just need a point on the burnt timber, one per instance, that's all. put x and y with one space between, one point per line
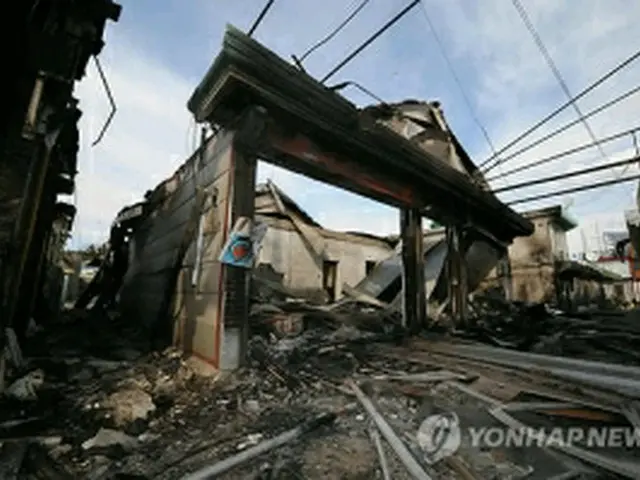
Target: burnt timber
53 42
305 115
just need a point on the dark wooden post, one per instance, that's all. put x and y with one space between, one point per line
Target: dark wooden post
414 295
457 274
237 296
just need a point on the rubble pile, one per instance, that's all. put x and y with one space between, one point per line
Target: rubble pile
113 409
610 336
342 395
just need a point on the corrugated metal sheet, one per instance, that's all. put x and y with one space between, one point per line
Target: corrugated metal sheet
481 258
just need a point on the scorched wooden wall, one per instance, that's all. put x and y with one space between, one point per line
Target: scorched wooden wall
197 316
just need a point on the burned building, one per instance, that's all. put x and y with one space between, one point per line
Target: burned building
539 268
534 261
51 44
261 107
312 261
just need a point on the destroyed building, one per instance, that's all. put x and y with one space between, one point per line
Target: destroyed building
311 260
535 259
98 403
175 283
540 270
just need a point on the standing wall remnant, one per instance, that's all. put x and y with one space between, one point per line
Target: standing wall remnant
195 202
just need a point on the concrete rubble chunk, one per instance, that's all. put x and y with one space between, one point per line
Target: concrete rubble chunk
25 388
200 368
129 405
107 437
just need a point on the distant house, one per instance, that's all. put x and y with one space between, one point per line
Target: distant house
310 259
536 259
541 270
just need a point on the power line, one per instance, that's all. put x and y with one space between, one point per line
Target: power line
456 78
258 20
370 40
635 146
562 176
567 126
333 33
563 154
575 190
545 53
562 107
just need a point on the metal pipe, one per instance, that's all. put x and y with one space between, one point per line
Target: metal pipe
375 438
414 468
227 464
621 379
618 465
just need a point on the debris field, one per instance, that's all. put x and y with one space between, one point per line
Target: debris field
333 391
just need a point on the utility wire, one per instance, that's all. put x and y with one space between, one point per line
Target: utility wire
258 20
582 188
635 146
563 154
562 176
334 32
563 107
567 126
524 16
456 78
370 40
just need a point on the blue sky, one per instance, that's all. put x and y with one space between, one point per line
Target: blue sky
155 56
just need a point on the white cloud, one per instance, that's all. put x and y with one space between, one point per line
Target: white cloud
147 140
516 88
503 73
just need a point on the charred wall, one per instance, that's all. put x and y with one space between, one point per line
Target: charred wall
51 45
197 195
